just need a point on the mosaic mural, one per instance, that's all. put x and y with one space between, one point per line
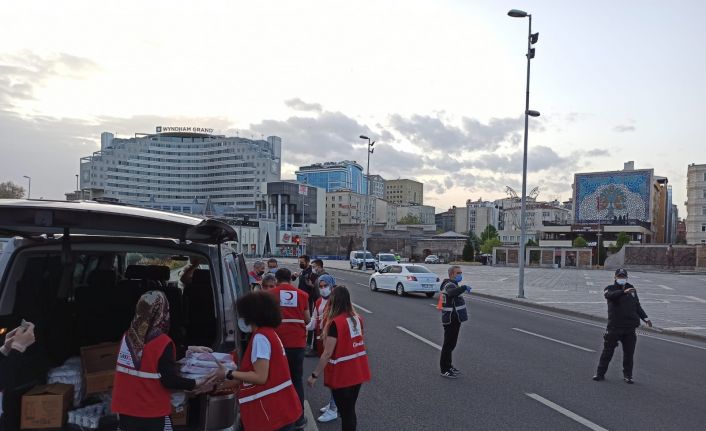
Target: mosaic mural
611 195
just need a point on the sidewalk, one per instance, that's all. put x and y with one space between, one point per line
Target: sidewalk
676 303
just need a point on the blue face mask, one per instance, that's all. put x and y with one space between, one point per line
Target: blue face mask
458 278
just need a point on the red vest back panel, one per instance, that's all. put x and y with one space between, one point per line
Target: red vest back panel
293 304
348 365
275 404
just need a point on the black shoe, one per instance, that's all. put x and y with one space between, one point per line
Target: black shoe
301 423
455 370
449 375
598 378
628 380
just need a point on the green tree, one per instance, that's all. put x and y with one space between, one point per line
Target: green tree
410 219
622 239
489 244
489 233
580 242
10 190
532 243
469 250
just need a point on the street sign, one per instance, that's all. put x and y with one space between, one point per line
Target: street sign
303 190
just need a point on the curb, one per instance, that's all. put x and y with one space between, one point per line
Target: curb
517 301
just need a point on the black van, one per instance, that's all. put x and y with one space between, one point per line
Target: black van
77 269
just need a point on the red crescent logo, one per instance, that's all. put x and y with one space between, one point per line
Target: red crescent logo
291 296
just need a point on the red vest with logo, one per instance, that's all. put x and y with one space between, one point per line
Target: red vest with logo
348 365
275 404
138 392
293 304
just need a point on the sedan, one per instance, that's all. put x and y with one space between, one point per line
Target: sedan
432 258
404 278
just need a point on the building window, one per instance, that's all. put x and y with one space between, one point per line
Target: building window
704 192
704 176
703 227
703 210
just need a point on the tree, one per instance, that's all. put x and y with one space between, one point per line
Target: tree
10 190
410 219
489 233
488 245
531 243
580 242
469 250
622 239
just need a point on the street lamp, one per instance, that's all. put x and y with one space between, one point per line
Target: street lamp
531 40
367 197
29 186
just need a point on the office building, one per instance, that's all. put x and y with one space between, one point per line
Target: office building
696 204
482 214
334 176
183 169
295 207
404 192
423 213
377 186
345 207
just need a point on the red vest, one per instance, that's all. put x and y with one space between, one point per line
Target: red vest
275 404
293 304
138 392
348 365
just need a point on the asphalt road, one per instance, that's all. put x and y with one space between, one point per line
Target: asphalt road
517 374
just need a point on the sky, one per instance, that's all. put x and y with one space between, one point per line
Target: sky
440 85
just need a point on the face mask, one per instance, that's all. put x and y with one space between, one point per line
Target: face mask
273 270
621 281
325 291
458 278
302 265
243 326
318 270
260 272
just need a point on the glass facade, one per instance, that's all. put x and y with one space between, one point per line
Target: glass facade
334 176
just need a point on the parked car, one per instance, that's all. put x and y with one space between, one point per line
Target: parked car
360 259
77 270
384 259
432 258
405 278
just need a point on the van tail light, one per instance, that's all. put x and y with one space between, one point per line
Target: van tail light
411 278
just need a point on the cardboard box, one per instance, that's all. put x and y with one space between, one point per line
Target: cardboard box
180 416
98 364
45 406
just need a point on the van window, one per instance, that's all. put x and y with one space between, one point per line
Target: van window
368 255
387 258
359 255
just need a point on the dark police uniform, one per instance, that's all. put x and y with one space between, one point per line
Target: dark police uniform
453 312
624 314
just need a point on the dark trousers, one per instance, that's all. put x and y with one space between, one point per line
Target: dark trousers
131 423
450 338
295 358
628 339
345 399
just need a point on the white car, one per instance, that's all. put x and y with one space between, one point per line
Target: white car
383 260
404 278
432 258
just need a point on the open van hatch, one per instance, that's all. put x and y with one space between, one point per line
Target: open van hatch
28 218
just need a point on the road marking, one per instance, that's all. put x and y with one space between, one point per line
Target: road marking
664 287
703 301
500 304
568 413
502 279
589 283
362 308
363 284
419 337
684 328
648 281
554 340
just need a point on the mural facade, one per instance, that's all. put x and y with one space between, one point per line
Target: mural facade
605 196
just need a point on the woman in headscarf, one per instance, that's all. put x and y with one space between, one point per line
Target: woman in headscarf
146 371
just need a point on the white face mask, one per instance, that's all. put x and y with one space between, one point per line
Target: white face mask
245 328
325 291
621 281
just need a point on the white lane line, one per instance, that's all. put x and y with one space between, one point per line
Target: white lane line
664 287
648 281
500 304
568 413
703 301
502 279
419 337
589 283
362 308
362 284
553 339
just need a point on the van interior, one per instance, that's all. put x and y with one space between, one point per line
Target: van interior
87 296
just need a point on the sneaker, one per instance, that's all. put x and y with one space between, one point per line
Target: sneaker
325 408
598 378
449 375
456 370
328 416
301 423
628 380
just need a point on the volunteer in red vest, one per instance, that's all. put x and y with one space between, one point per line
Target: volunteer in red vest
344 361
294 306
267 398
146 371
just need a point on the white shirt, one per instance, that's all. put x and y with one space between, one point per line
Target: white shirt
261 348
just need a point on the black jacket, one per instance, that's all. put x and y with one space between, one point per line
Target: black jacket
624 310
452 302
304 280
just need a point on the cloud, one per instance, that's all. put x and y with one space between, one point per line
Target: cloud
598 152
299 105
539 158
622 128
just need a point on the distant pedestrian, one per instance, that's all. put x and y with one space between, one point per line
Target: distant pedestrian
670 257
453 312
624 314
258 269
268 282
344 361
317 266
272 265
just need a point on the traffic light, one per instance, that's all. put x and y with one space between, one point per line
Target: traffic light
296 240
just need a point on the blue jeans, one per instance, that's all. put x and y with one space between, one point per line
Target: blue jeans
295 358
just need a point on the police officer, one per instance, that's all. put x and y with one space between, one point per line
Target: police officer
624 314
453 312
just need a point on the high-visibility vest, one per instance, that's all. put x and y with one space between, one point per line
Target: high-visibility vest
348 366
275 404
138 391
294 303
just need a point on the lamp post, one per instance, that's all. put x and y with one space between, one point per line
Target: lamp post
531 40
367 197
29 186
